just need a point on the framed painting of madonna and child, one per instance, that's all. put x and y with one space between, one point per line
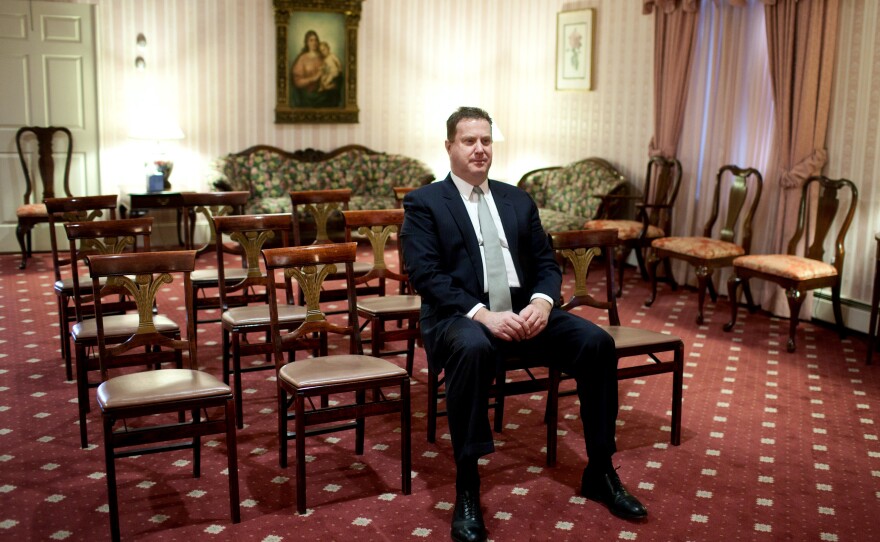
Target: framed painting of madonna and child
316 66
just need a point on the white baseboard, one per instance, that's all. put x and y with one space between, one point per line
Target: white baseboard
856 316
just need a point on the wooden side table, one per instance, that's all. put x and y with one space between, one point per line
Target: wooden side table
875 304
141 203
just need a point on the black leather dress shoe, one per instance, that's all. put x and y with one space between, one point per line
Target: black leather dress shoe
604 486
467 518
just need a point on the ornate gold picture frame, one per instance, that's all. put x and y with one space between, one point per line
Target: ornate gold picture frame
316 68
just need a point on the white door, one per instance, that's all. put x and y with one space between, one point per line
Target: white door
47 58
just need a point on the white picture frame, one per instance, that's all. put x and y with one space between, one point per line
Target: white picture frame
574 49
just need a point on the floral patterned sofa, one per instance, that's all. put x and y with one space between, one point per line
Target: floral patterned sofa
568 196
270 173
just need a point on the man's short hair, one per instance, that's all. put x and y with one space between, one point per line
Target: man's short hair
464 113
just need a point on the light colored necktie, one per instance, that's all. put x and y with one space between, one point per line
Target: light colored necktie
496 272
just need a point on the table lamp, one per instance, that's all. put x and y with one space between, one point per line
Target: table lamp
157 125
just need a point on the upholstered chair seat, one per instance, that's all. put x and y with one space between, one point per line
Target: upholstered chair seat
32 210
786 265
626 229
120 325
699 247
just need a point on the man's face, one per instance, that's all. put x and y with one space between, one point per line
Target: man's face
470 153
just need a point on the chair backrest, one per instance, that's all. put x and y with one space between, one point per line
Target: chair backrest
317 206
104 237
251 232
377 226
309 265
46 160
75 209
825 193
579 247
151 271
662 181
209 205
739 181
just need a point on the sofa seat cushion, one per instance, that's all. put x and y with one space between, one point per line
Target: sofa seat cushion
785 265
700 247
553 220
265 206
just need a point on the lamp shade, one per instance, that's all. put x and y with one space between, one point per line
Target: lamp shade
154 124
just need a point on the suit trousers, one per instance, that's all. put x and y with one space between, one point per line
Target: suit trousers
574 345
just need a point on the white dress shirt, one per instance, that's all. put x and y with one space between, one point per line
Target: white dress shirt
466 190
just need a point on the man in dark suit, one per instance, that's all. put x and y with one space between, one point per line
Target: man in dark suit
465 336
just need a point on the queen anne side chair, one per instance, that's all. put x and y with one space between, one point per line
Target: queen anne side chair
103 237
76 209
653 218
338 375
715 249
164 392
31 212
799 274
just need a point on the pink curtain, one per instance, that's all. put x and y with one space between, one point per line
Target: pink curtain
801 43
675 28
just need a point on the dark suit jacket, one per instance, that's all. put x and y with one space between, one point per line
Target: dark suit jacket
443 257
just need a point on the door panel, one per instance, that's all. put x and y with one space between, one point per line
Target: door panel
47 58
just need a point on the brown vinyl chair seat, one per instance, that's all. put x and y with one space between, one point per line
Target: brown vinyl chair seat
32 210
66 284
633 337
255 315
338 369
232 275
157 387
389 304
119 325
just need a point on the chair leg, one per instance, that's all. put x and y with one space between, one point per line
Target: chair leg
197 445
732 284
236 379
64 334
795 300
110 467
300 453
232 462
23 235
282 427
640 259
551 416
653 262
433 385
677 385
405 438
360 399
500 379
702 280
838 311
82 393
621 252
226 353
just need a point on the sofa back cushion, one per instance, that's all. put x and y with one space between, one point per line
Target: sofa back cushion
269 173
571 189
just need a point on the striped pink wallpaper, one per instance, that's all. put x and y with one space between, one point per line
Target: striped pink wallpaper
213 62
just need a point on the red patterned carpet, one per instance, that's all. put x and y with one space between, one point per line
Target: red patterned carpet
775 446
